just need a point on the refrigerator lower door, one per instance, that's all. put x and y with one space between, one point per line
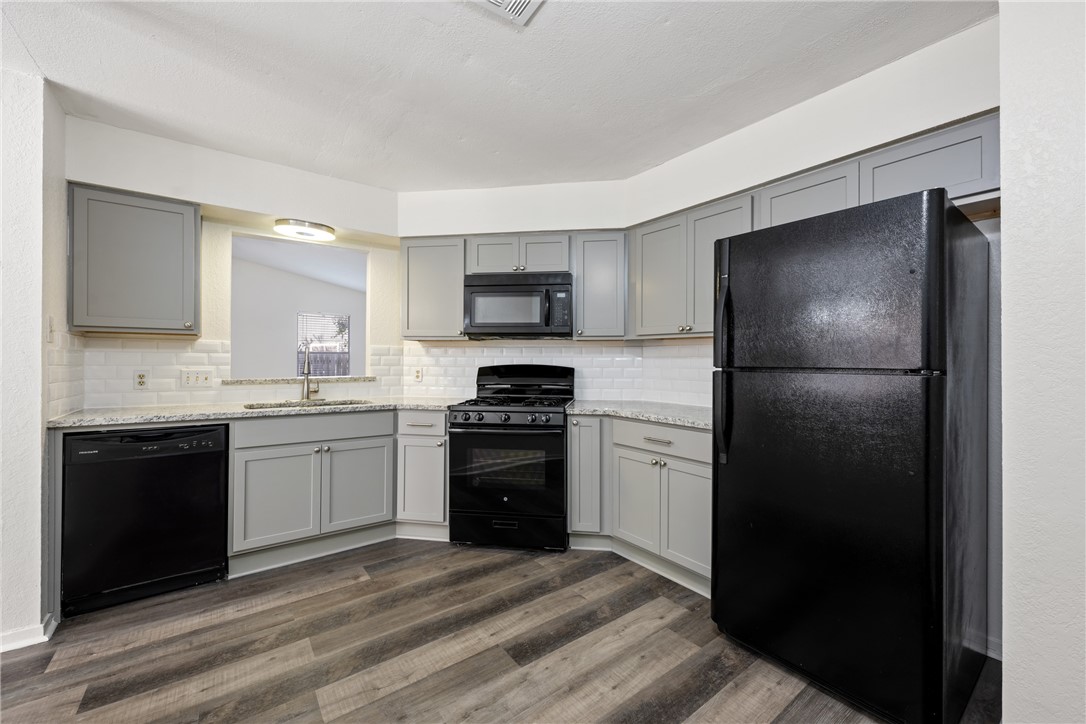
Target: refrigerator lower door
822 516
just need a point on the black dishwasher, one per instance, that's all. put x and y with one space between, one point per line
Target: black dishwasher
143 512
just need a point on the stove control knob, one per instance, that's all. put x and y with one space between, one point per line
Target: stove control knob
466 416
546 418
478 417
531 417
504 417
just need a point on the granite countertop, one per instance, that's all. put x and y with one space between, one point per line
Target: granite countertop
663 412
232 411
660 412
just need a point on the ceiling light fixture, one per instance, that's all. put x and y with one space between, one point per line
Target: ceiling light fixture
308 230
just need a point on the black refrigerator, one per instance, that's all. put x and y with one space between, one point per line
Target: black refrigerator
850 451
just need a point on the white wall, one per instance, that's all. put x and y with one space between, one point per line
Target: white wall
264 318
33 219
1044 354
101 154
950 80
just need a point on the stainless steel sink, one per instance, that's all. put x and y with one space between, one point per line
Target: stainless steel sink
302 403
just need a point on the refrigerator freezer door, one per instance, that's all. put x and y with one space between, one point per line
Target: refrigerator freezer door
854 289
820 530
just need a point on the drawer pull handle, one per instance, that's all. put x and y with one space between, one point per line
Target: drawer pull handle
420 424
657 439
510 524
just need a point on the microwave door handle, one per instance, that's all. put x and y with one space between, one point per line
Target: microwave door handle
547 308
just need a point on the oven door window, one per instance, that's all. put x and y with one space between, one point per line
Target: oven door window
509 471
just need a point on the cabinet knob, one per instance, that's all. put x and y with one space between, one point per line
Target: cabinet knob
680 328
653 461
188 325
317 449
441 444
328 448
574 423
689 328
514 267
522 267
460 332
580 332
663 463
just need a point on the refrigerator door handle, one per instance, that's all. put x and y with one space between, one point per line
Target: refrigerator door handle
721 416
720 317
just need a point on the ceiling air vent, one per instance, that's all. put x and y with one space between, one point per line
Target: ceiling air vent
516 11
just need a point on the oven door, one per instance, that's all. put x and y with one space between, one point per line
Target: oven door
512 471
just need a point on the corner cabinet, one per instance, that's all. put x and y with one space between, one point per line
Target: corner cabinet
599 278
662 489
508 254
671 268
298 478
432 288
133 263
421 467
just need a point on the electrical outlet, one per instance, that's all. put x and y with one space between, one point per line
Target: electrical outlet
140 378
196 377
418 375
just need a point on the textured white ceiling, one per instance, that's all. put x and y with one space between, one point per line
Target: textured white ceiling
424 96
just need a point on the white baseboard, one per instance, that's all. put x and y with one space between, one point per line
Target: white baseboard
688 579
245 564
28 636
423 531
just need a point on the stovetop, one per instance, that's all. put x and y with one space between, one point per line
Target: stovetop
512 401
530 395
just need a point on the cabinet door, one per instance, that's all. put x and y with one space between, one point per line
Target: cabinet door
493 254
636 487
134 262
585 471
599 266
964 160
432 275
545 253
357 486
686 514
420 479
659 275
276 495
705 226
813 194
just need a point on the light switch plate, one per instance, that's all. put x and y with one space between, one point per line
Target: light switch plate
196 377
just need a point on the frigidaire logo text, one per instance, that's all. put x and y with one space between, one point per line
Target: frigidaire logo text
87 452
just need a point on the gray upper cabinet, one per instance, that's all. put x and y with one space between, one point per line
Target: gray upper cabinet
812 194
508 254
134 262
599 274
964 160
672 267
432 288
493 254
704 227
659 271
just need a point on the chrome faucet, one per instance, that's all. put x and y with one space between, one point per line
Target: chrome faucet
307 388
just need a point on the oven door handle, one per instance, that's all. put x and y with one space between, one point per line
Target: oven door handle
506 431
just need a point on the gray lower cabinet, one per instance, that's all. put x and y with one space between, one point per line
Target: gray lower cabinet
421 466
296 478
277 495
662 501
134 262
820 192
432 293
356 485
507 254
964 160
599 276
585 474
672 267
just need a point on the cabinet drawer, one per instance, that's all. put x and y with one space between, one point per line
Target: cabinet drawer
299 428
420 422
663 439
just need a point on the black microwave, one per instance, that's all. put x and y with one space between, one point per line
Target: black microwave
518 305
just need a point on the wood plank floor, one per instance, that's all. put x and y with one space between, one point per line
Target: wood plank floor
419 632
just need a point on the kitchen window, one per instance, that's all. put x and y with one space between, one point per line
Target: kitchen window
327 336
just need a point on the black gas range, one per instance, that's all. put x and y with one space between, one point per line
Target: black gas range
507 455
